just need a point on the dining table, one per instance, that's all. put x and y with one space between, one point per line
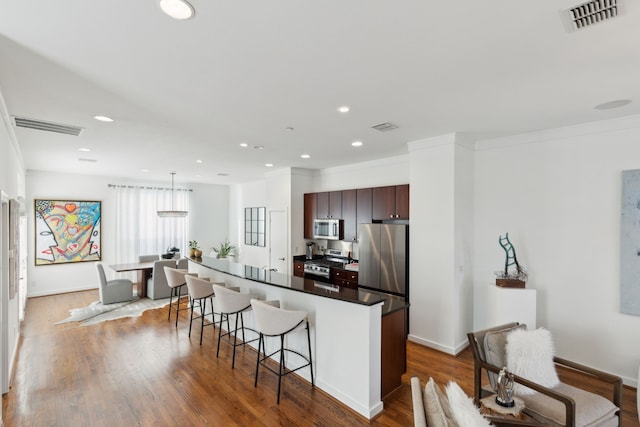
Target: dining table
145 268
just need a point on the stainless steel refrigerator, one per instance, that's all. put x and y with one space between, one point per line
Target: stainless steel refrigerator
384 257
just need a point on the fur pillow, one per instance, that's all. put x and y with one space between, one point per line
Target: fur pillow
464 411
530 355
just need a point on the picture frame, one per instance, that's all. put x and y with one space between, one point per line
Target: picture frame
67 231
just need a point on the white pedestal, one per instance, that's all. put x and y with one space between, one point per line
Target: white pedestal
506 305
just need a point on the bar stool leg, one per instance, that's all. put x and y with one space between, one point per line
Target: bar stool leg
313 384
281 365
171 303
203 306
179 292
191 320
260 341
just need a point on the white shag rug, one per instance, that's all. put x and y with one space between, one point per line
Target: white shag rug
96 312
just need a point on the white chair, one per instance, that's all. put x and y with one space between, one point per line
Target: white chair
112 291
199 291
176 281
157 286
271 321
182 264
148 258
231 302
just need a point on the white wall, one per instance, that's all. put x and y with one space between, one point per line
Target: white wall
250 195
207 223
558 194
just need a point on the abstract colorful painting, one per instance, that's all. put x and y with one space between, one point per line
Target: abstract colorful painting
67 231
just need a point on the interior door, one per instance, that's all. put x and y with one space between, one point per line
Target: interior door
278 241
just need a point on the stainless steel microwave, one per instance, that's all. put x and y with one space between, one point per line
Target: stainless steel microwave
329 229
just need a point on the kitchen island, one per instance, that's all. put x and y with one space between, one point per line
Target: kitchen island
346 328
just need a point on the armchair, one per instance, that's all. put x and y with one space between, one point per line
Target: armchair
157 286
563 404
112 291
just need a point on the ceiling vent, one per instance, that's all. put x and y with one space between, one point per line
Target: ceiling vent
24 122
587 14
385 127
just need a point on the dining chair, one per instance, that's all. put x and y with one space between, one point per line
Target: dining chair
112 291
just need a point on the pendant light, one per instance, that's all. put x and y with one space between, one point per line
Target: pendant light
172 213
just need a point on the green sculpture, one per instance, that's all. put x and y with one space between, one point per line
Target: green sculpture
519 275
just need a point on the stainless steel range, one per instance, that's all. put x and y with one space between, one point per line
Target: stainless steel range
320 269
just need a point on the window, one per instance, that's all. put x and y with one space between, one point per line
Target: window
254 226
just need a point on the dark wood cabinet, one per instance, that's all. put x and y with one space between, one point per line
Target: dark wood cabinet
298 268
360 206
394 350
345 278
310 208
390 202
349 215
329 204
364 201
402 201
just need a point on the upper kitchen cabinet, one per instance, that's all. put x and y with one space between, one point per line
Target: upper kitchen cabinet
310 208
349 208
364 213
390 202
329 205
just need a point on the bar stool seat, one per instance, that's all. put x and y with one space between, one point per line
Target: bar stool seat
176 281
271 321
199 291
231 302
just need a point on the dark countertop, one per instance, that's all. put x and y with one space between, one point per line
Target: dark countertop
392 303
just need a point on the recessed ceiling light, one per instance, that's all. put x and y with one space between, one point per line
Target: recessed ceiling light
356 144
103 118
86 150
258 147
244 145
343 109
223 174
269 165
613 104
177 9
289 129
305 156
198 161
144 170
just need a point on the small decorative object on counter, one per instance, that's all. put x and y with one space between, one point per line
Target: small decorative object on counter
193 248
504 388
506 278
172 252
226 249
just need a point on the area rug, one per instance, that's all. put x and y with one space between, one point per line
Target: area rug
97 312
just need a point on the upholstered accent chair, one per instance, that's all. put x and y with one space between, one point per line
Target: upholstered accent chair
112 291
157 286
557 405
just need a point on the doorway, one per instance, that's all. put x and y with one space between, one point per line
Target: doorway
278 241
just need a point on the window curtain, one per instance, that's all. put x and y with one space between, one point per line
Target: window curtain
139 230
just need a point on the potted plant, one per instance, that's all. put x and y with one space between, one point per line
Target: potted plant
193 248
226 249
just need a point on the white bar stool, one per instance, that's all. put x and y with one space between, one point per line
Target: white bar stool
176 281
199 291
271 321
230 302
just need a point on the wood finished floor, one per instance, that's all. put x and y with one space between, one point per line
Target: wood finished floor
143 371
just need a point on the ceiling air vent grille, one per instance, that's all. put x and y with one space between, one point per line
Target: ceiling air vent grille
384 127
24 122
592 12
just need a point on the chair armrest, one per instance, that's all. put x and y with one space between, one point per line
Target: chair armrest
569 403
615 380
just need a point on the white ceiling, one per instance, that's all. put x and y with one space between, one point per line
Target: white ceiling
244 71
